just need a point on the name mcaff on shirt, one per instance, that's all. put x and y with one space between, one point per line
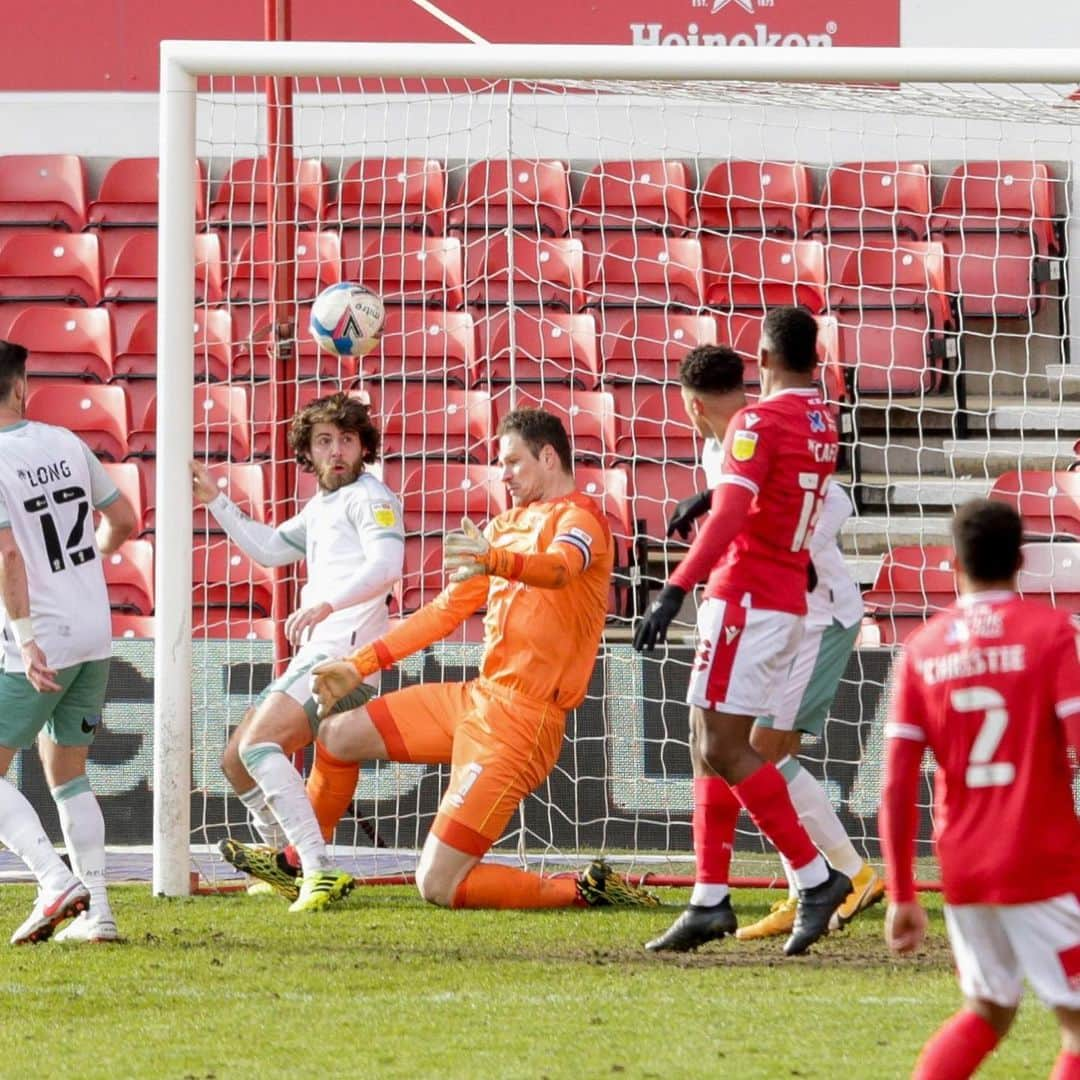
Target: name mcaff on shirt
992 660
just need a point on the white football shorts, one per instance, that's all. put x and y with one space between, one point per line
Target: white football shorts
742 658
997 946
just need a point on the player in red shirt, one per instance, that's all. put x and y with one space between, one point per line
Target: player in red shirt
754 549
992 687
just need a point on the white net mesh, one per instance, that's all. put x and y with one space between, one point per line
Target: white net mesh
564 245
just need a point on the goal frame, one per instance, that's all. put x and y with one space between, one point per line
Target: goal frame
184 62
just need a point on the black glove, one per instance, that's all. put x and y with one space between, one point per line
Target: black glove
687 511
811 576
654 627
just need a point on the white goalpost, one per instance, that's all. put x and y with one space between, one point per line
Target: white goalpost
611 305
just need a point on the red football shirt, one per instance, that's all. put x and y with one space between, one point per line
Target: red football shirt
782 449
992 687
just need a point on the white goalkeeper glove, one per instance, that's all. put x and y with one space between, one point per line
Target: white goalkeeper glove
465 552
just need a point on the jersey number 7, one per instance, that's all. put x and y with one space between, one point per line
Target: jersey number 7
73 546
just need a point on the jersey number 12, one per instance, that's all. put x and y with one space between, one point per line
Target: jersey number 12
73 546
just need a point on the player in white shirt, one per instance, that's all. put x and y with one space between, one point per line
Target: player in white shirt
830 628
350 534
57 640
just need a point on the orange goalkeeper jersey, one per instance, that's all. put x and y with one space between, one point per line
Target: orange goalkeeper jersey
539 642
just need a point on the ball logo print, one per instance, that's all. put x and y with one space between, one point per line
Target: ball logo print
347 319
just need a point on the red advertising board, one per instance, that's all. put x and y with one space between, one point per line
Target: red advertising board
112 44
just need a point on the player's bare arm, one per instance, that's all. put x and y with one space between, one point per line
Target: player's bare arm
16 597
118 523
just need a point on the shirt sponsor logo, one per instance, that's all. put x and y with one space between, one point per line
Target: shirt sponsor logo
384 514
744 445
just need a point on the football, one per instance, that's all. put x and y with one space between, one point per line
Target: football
347 319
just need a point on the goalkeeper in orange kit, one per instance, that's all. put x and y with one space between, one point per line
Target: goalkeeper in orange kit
543 570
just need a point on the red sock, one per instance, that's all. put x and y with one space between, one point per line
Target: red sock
330 788
488 885
764 793
715 812
1067 1067
956 1049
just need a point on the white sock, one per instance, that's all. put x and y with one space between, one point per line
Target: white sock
820 821
285 794
21 832
706 894
262 818
815 872
84 835
792 884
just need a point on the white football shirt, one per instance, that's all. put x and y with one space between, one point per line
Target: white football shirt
332 531
49 481
836 596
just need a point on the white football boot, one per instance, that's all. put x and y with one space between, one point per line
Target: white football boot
91 925
50 911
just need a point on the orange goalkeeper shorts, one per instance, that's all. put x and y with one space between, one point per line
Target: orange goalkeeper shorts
500 746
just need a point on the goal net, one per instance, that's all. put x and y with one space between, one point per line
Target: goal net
557 227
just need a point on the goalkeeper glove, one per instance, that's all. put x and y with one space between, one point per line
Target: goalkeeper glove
686 512
654 627
465 552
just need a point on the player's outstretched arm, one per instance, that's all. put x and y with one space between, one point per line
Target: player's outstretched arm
334 679
266 545
16 597
118 523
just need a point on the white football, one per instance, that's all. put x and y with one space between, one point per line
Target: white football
347 319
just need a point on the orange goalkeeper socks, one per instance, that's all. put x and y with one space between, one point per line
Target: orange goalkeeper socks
330 788
488 885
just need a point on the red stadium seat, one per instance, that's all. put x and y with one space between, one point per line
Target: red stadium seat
653 423
912 584
1048 502
221 424
649 194
66 341
50 266
131 267
539 271
213 346
529 346
129 577
893 315
587 415
408 268
422 420
260 396
224 577
97 414
125 475
129 194
241 195
43 189
650 345
996 221
393 192
628 269
533 196
246 485
756 197
759 272
874 201
436 495
609 487
425 344
318 265
1051 572
658 486
128 627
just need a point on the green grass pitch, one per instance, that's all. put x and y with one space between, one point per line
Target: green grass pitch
385 986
